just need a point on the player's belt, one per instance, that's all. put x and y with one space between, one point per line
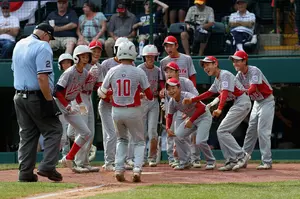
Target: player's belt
37 92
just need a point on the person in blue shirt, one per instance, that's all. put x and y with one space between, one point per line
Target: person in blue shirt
37 113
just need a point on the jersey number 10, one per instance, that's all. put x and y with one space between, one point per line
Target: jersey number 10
123 87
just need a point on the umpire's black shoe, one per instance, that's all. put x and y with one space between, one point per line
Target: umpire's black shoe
33 179
51 175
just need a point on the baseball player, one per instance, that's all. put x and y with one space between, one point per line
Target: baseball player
262 114
151 108
67 89
91 83
105 111
172 71
198 118
230 89
65 61
126 82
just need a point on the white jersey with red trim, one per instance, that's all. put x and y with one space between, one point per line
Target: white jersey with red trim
126 81
185 63
227 81
255 76
94 76
153 77
107 65
72 81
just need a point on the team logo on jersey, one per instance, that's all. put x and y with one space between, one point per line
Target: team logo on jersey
255 78
225 84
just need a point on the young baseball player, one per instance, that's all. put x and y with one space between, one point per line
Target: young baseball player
151 108
230 89
261 118
91 83
65 61
67 89
105 111
172 71
198 118
126 82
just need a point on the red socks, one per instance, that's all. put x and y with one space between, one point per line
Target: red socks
75 148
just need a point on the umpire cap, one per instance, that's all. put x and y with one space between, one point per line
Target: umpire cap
46 28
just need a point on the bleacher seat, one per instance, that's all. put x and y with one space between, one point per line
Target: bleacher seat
175 30
216 42
28 29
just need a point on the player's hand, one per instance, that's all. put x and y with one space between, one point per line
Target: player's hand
184 116
83 109
187 101
163 106
142 95
217 113
162 93
72 110
188 124
170 133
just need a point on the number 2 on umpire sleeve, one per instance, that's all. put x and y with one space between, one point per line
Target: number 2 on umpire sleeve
123 87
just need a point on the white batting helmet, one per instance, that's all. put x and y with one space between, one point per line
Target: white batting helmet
150 50
118 42
79 50
62 57
126 50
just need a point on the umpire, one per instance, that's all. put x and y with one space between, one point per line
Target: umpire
36 111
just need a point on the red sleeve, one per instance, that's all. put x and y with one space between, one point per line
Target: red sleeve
78 99
97 85
203 96
169 121
148 94
60 95
193 79
223 97
162 84
200 109
252 89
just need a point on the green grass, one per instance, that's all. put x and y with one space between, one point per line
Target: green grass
21 189
276 190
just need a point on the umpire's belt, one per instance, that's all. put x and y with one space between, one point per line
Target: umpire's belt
37 92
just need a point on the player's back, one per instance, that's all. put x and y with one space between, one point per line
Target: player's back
126 82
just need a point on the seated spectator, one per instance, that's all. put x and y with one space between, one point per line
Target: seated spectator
178 9
120 25
199 20
9 29
92 24
297 4
143 24
64 21
242 25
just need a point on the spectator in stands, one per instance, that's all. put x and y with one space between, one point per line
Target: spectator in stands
178 9
278 14
92 24
199 20
9 29
120 25
143 24
297 2
64 21
242 25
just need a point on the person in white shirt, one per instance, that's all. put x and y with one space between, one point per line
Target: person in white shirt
9 29
242 25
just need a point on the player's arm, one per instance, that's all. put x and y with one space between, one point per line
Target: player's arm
78 99
43 81
203 96
193 79
102 91
169 120
60 93
200 109
223 96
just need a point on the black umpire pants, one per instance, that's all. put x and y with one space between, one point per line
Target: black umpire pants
31 125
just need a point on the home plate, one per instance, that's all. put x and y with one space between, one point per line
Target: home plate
149 173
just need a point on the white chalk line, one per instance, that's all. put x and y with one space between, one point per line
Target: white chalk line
66 192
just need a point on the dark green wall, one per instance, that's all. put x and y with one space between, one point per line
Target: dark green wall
277 70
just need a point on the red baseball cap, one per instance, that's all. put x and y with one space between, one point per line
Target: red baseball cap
170 40
172 65
173 82
121 8
209 59
95 44
239 55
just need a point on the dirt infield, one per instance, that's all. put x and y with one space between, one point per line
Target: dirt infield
163 174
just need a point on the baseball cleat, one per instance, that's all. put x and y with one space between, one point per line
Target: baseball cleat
244 161
197 164
175 163
136 177
66 163
264 167
183 166
152 163
108 167
92 154
119 175
228 167
171 162
210 166
78 169
92 169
